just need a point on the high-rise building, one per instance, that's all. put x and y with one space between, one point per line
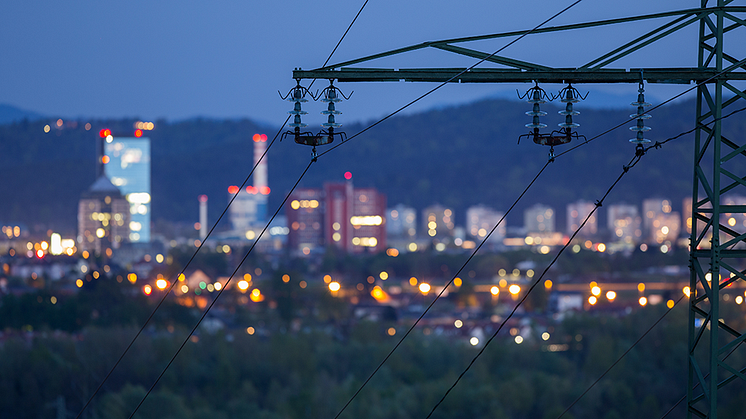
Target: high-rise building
437 221
480 220
249 209
577 212
127 165
103 218
538 219
305 216
401 222
660 224
355 217
368 220
624 223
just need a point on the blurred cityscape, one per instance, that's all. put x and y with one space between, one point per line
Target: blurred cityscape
322 234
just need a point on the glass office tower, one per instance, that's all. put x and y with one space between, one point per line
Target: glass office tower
127 165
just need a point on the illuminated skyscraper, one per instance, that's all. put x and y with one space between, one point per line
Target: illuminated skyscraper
249 209
103 218
480 220
539 219
305 217
354 217
127 164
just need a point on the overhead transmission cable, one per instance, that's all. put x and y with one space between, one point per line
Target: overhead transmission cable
306 170
216 223
174 282
598 204
207 310
626 168
614 364
186 266
380 365
500 221
656 145
394 113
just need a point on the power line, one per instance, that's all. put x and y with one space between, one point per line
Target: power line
626 168
206 237
380 365
306 170
614 364
207 310
657 144
173 283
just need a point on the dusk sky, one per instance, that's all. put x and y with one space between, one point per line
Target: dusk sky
220 59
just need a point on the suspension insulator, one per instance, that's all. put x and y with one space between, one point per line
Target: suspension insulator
535 96
298 97
331 97
570 98
640 116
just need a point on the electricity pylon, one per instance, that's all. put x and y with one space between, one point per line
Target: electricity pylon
718 220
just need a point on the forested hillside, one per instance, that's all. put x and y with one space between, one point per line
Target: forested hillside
457 156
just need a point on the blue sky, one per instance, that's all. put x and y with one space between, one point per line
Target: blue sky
177 59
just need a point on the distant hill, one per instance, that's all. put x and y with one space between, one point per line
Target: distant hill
458 156
10 114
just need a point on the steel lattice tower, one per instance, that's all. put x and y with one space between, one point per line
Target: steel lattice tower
718 245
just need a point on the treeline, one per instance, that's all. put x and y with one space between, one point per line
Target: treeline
313 373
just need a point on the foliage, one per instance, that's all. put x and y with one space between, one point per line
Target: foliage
290 375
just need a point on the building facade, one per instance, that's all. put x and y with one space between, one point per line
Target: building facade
305 216
480 220
577 212
103 218
624 224
661 225
127 165
437 222
539 219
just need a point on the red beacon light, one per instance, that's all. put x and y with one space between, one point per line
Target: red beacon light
104 133
259 138
138 133
233 189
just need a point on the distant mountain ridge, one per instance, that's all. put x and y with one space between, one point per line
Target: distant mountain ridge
457 156
9 114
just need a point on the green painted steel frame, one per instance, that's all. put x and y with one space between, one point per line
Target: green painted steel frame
518 71
714 246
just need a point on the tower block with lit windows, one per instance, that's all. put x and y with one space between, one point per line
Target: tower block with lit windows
249 208
103 218
718 241
126 161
